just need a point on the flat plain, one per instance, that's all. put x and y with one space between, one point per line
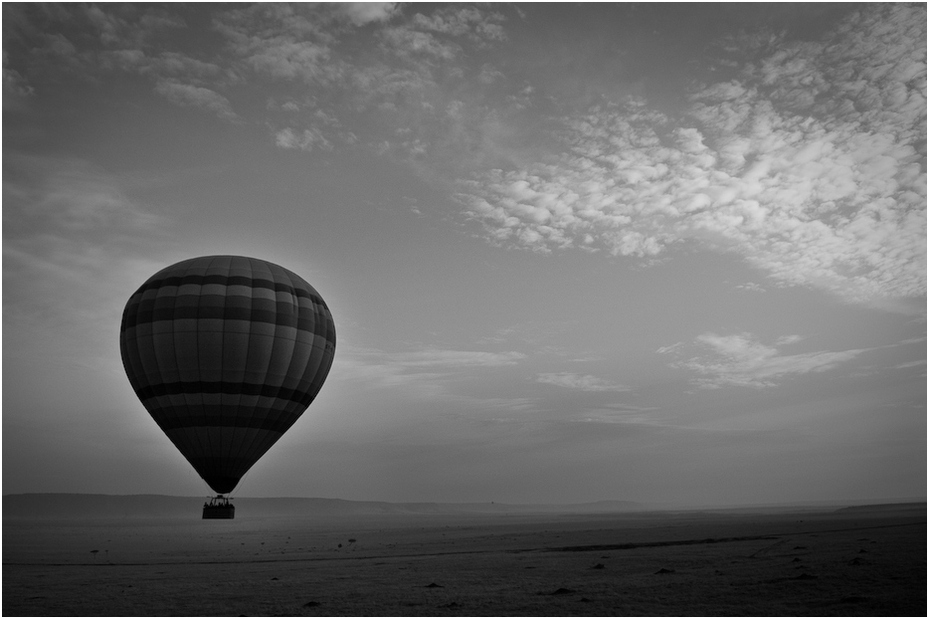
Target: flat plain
854 561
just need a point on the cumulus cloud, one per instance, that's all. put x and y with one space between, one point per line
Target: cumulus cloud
741 360
825 190
583 382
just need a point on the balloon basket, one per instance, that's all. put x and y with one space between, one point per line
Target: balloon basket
218 507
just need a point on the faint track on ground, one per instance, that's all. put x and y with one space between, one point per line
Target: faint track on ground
683 542
584 548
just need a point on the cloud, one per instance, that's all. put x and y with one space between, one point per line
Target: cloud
622 413
433 358
187 95
412 44
827 191
808 163
66 198
164 65
583 382
15 87
308 140
741 360
72 239
501 404
669 349
128 26
399 77
910 364
361 13
90 42
400 73
292 59
93 27
292 42
425 372
471 22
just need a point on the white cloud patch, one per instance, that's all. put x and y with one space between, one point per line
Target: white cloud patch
583 382
421 372
741 360
750 287
361 13
188 95
664 350
308 140
810 166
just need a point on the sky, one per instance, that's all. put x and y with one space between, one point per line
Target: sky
673 254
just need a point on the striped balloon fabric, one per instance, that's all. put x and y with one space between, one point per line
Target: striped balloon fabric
225 353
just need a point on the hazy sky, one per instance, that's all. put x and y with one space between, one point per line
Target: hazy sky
670 253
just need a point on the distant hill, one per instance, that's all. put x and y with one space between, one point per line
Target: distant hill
89 506
887 507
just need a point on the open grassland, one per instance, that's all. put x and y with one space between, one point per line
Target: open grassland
846 562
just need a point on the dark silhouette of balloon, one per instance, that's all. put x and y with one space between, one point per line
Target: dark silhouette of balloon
226 353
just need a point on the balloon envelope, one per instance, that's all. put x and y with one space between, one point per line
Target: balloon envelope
226 353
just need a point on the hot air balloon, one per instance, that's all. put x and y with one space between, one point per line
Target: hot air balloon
226 353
